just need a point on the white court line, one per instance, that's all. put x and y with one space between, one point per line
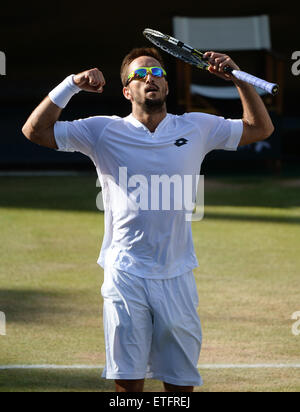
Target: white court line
207 366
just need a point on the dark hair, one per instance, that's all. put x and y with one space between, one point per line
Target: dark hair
134 54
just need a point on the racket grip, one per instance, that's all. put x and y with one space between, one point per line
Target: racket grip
271 88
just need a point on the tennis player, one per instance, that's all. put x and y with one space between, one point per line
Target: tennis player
151 324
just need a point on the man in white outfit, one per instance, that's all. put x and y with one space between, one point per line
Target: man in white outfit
151 324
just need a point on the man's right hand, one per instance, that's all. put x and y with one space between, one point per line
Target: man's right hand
90 81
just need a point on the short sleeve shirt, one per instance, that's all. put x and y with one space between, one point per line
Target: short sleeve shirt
146 230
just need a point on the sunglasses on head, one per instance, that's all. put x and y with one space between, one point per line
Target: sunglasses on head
142 72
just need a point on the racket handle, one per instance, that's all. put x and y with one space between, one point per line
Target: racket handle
271 88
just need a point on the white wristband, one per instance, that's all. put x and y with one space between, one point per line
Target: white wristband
63 93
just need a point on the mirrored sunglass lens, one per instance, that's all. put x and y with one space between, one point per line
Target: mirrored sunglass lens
140 73
156 71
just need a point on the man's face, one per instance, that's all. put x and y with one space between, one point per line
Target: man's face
151 92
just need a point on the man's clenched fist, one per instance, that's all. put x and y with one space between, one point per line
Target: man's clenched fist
90 80
218 62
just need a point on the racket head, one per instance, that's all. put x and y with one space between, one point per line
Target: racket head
195 57
176 48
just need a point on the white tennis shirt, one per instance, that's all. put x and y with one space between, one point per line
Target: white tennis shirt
152 240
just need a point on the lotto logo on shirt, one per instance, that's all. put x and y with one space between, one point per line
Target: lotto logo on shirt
155 193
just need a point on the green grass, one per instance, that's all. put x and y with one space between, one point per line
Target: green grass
248 282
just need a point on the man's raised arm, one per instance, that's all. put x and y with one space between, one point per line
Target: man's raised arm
257 122
39 128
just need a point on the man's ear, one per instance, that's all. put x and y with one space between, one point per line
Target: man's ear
167 88
127 93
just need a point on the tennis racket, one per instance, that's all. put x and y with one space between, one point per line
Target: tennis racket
195 57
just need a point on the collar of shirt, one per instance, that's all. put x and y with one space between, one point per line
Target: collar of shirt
139 125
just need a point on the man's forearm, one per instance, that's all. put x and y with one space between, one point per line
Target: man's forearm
39 127
45 115
255 112
256 118
257 122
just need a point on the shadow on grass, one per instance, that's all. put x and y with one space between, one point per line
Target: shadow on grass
47 380
50 193
54 381
37 306
79 193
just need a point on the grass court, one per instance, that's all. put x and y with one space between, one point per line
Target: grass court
248 282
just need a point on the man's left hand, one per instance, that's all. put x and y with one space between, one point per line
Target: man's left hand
218 62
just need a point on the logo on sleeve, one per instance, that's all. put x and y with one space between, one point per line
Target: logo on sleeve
180 142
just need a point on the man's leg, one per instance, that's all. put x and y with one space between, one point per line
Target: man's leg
177 335
174 388
136 385
127 329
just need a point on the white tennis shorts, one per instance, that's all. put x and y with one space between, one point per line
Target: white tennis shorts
151 327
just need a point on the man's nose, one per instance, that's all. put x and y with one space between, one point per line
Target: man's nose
149 78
